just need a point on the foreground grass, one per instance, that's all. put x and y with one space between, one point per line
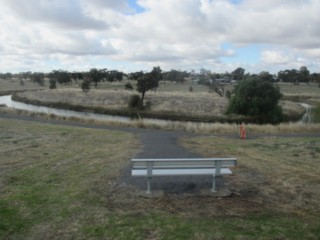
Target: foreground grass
59 182
278 176
52 178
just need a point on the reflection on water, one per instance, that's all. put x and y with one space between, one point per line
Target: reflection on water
6 100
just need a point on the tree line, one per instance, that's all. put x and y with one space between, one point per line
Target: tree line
94 75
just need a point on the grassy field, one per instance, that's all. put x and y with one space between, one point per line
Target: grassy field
9 86
59 182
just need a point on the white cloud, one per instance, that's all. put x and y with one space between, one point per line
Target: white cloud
274 57
181 34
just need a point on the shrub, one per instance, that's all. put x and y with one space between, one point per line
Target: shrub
128 86
85 86
135 102
256 99
52 84
228 94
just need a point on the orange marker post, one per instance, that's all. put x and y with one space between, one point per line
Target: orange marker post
242 131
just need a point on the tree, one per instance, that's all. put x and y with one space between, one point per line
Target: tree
135 75
266 76
149 81
7 75
315 78
62 77
256 99
38 78
216 87
304 74
176 76
85 85
289 75
95 76
76 76
238 74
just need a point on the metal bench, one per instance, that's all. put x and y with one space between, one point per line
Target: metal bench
182 166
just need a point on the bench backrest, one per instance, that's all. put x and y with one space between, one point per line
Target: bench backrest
174 163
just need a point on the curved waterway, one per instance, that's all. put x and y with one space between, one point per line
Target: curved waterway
7 100
307 117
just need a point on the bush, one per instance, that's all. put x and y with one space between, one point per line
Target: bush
256 99
128 86
52 84
228 94
135 102
85 86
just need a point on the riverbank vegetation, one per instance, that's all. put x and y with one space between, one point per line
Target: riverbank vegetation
58 183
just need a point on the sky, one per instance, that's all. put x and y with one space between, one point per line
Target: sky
134 35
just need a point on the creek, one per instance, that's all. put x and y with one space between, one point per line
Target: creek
7 101
307 117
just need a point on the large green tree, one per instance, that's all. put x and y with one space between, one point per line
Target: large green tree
256 99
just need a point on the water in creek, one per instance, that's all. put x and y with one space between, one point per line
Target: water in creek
6 100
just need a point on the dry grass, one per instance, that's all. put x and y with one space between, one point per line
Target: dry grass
7 86
278 174
302 89
185 103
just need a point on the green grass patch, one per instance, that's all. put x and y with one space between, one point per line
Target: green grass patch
159 226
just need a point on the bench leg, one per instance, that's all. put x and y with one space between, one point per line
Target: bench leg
213 189
149 185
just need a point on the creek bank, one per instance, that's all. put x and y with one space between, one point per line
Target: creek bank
119 115
134 113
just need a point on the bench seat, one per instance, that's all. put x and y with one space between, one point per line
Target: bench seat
173 172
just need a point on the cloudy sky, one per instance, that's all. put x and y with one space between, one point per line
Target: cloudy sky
132 35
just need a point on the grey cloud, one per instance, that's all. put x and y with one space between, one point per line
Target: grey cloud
60 13
119 5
